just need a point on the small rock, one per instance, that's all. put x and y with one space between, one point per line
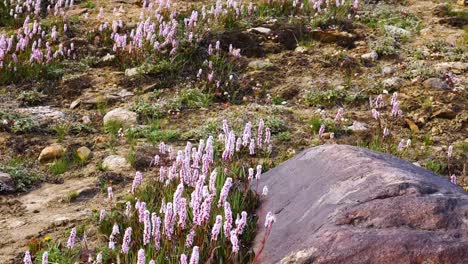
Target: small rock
454 66
261 30
341 38
394 83
83 153
436 83
260 64
76 12
75 103
116 163
301 49
396 31
86 120
387 70
444 113
358 126
125 117
370 57
51 152
414 128
124 93
6 183
43 115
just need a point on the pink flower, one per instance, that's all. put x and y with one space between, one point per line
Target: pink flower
234 242
453 179
252 147
195 255
261 127
71 238
241 223
169 221
339 114
251 174
270 219
126 240
216 228
259 172
228 219
182 213
141 256
224 192
321 131
27 258
102 215
111 242
147 228
265 191
375 114
401 145
212 183
183 259
190 237
156 226
45 258
110 194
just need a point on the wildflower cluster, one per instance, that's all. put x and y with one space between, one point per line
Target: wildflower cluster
33 46
195 205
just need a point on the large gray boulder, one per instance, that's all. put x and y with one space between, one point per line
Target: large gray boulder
343 204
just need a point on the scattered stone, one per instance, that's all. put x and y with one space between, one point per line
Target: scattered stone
356 200
116 164
341 38
370 57
454 66
301 49
83 153
43 115
261 30
86 193
445 113
436 83
86 120
74 84
125 117
6 183
358 126
413 127
397 32
76 12
394 83
51 152
75 103
388 70
260 64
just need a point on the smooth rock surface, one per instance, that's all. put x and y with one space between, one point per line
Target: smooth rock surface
343 204
436 83
370 57
83 153
51 152
125 117
116 163
6 183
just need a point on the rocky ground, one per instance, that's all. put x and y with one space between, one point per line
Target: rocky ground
61 150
